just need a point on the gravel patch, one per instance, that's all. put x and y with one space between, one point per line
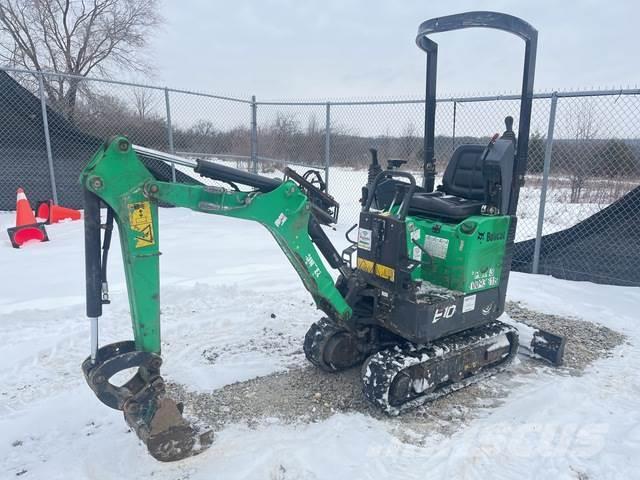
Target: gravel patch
586 341
304 394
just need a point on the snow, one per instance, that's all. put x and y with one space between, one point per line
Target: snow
501 342
221 281
525 338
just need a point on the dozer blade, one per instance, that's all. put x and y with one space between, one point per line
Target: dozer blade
542 344
148 410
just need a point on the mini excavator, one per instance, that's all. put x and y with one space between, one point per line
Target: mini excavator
418 292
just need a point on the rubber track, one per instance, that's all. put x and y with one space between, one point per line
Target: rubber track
380 369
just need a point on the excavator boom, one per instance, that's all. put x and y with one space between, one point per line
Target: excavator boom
117 178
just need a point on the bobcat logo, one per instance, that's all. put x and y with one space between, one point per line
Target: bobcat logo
491 236
487 309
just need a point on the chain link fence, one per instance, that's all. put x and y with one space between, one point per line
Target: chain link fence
584 154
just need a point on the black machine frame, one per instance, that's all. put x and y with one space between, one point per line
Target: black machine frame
479 19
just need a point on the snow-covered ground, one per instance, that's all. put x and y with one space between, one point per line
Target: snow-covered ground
221 281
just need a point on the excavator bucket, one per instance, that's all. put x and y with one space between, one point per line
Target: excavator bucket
155 417
157 420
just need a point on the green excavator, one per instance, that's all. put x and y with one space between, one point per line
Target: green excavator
418 291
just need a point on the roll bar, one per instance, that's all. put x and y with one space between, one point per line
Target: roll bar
499 21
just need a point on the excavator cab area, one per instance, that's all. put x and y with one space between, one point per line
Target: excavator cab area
477 180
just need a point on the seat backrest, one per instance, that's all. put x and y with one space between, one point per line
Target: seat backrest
463 176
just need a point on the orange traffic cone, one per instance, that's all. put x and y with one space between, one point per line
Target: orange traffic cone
55 213
26 226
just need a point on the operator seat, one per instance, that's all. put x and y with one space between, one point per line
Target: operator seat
462 192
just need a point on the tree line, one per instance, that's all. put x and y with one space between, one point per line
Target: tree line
287 139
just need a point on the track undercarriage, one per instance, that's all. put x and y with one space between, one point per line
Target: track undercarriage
400 375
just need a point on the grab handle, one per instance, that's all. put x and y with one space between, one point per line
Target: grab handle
406 199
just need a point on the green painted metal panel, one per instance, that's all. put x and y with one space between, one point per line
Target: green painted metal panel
465 257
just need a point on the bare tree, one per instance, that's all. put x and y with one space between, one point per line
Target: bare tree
409 142
284 131
76 37
313 129
144 100
311 143
584 163
204 128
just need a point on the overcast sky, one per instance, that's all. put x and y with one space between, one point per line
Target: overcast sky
365 48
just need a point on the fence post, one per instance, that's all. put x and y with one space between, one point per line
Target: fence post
548 150
254 135
327 145
453 134
170 132
47 139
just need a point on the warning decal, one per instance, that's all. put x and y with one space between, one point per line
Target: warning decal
280 220
436 246
469 303
364 239
141 222
381 271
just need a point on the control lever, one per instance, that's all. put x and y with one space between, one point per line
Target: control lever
508 133
488 188
374 170
492 177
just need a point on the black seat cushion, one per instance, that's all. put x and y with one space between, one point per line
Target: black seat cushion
462 191
463 176
446 207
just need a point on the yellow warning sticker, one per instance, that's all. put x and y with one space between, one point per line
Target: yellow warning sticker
385 272
381 271
365 265
141 222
